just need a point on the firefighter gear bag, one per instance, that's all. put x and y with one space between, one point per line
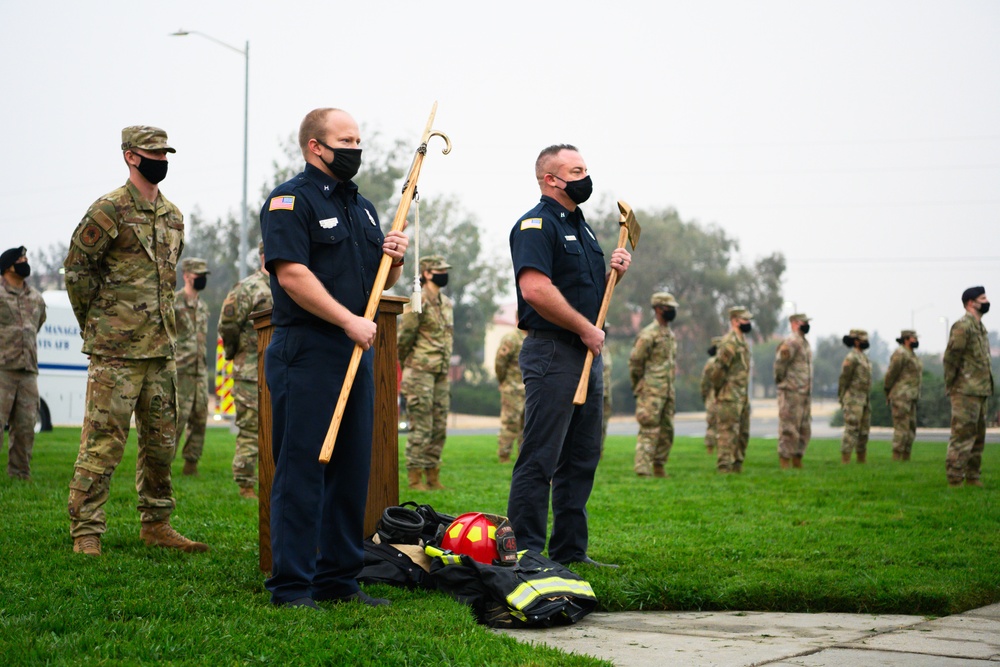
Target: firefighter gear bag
536 592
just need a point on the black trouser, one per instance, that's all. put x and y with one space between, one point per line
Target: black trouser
560 449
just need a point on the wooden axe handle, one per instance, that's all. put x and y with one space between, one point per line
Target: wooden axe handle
581 388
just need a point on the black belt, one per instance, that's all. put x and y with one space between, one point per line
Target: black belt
563 336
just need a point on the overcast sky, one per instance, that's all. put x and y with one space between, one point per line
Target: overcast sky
861 139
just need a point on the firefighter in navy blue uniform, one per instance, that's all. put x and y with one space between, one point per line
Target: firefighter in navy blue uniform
322 244
560 275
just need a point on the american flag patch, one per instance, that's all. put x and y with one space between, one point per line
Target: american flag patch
531 223
282 203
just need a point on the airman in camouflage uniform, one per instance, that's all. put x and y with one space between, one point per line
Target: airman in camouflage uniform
652 367
191 315
902 389
120 273
22 313
708 397
968 378
425 344
730 376
793 377
508 372
854 393
239 340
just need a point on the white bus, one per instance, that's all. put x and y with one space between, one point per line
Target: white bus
62 367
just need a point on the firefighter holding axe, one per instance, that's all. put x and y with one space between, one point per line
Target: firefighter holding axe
562 295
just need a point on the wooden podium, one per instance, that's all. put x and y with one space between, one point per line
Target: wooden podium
383 482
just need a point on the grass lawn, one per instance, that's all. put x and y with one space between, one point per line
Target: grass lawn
879 538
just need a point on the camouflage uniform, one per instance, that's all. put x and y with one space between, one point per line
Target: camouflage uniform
425 344
853 391
968 379
651 372
708 396
120 274
239 340
191 316
793 377
731 380
22 313
508 372
902 389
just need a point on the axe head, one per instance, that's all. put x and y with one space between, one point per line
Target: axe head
627 220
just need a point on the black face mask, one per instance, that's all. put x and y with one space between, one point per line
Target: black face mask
200 282
712 350
153 171
915 345
984 308
346 162
439 279
803 329
22 269
848 341
578 191
864 345
746 327
669 314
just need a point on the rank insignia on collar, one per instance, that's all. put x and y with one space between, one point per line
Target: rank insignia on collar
329 223
326 188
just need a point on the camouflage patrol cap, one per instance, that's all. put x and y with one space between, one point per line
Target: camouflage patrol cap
433 263
798 317
859 334
665 299
194 265
907 333
146 137
739 313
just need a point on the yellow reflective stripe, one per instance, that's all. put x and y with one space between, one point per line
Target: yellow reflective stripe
527 593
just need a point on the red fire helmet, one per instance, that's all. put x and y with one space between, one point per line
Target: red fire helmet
486 538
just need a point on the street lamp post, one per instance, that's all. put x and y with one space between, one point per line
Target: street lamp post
241 263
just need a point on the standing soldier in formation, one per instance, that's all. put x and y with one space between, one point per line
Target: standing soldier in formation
508 372
652 366
708 397
968 378
22 313
902 389
793 376
425 344
120 275
239 339
854 393
731 381
192 370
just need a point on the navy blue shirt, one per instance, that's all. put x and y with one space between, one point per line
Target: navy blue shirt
324 224
559 243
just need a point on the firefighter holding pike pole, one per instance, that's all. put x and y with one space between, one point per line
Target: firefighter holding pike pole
326 255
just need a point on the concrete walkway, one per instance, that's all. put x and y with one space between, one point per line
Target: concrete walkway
738 639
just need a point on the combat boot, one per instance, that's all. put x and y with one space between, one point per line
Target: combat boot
862 457
504 458
973 482
162 534
433 483
87 544
415 482
796 461
845 457
906 456
191 468
897 456
658 470
248 493
784 463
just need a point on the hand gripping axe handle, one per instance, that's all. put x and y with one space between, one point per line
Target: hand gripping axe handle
629 230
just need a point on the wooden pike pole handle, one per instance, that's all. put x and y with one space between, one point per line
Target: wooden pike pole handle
398 223
581 388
